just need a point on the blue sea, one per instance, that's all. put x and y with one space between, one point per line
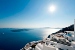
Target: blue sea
16 40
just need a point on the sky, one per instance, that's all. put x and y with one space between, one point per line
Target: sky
36 13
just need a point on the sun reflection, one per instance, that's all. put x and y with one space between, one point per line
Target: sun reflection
47 32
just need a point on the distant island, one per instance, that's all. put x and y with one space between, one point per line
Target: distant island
51 28
69 28
19 30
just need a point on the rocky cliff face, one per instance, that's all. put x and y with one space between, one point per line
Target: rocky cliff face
69 28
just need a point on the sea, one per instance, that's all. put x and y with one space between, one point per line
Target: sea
16 40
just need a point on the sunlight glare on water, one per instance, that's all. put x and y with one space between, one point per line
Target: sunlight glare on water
47 32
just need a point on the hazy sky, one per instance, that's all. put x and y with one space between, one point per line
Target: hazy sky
35 13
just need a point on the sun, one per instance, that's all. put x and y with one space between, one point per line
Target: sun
52 8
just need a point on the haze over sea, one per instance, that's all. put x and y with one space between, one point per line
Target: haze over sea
16 40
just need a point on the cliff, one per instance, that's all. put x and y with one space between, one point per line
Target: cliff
69 28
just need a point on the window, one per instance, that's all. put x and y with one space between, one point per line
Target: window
61 49
66 49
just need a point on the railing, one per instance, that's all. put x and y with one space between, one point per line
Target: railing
61 41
